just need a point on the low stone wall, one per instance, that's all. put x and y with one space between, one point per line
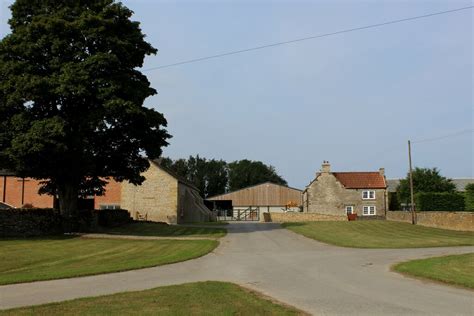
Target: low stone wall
299 217
463 221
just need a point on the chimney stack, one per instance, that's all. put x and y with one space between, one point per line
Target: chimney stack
382 172
326 167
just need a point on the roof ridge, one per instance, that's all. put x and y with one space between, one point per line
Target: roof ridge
356 172
252 186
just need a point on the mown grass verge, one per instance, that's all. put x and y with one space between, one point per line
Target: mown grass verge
27 260
202 298
456 269
380 234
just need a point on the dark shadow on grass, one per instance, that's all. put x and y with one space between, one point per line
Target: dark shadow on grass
163 230
39 238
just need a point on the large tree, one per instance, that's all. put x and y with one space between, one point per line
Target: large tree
424 180
208 175
244 173
71 97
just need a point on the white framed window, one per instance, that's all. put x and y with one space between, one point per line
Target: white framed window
349 209
368 195
368 210
109 207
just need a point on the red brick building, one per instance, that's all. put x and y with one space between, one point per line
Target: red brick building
162 197
17 192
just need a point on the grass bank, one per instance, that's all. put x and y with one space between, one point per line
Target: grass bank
37 259
455 269
203 298
380 234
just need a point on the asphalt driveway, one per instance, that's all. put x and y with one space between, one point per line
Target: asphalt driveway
312 276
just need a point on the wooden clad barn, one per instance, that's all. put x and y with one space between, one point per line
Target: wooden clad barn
265 197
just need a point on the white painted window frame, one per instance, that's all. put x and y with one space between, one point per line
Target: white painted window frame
369 193
109 206
369 209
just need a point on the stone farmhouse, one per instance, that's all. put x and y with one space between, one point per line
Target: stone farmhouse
341 193
162 197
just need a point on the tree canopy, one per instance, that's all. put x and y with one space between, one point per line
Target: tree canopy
244 173
71 97
424 180
214 177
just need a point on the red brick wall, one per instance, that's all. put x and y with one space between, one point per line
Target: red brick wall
13 193
113 194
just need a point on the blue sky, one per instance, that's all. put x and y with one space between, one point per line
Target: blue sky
353 99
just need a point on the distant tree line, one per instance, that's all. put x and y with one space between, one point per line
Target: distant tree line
214 177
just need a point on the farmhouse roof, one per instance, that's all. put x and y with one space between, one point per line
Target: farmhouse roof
361 180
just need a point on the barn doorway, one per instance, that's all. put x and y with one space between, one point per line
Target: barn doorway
225 211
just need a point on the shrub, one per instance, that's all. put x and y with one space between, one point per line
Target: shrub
469 195
394 203
111 218
432 201
29 222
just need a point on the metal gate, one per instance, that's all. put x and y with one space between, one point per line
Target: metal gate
239 214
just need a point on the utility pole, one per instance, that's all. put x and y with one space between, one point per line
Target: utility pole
412 206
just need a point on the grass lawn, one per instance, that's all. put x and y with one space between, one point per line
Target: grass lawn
158 229
380 234
457 269
203 298
25 260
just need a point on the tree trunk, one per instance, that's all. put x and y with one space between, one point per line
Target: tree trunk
68 205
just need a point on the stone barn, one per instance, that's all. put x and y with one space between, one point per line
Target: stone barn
164 197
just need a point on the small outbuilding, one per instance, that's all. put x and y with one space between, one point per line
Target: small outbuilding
248 203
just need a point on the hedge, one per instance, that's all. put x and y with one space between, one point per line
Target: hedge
469 194
394 203
111 218
434 201
29 222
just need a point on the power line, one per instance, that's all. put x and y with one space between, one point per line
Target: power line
308 38
398 147
466 131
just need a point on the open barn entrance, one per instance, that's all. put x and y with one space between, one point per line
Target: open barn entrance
225 211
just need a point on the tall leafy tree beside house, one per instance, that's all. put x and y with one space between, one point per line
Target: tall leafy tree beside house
214 177
244 173
71 97
424 180
208 175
